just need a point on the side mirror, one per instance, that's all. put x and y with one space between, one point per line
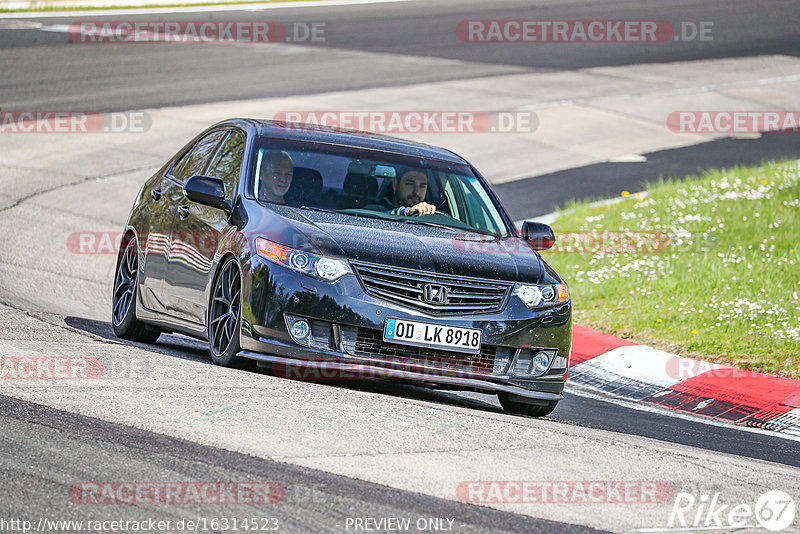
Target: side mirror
538 234
208 191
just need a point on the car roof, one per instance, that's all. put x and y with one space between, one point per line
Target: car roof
345 137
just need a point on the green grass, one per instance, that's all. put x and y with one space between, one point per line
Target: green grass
726 287
148 6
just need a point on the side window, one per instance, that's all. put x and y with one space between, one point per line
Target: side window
477 205
472 209
227 164
197 158
449 194
176 167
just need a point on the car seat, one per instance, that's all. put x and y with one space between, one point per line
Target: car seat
305 189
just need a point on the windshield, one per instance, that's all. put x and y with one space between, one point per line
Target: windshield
366 183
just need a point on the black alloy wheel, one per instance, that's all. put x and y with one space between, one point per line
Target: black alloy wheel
225 314
123 311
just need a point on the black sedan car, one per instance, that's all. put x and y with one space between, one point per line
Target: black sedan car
344 255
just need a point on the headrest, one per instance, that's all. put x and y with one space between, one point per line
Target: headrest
306 186
360 184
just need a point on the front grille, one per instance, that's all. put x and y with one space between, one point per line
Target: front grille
369 343
406 286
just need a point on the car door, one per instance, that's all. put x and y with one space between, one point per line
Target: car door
197 231
178 255
154 258
162 197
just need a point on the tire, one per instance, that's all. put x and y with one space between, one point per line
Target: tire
225 315
531 409
123 298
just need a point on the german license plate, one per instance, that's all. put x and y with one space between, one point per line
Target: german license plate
435 336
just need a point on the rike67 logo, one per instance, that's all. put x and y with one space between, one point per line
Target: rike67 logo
774 510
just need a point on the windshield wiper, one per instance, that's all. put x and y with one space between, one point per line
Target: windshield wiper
428 223
314 208
437 225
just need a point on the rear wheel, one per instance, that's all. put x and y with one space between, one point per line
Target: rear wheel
530 407
123 311
225 315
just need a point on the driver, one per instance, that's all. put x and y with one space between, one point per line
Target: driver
408 194
276 176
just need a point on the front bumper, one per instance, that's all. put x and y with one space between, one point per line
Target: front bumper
354 350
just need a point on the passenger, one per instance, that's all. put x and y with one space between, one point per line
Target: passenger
275 180
408 194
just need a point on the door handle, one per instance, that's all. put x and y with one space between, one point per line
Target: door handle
156 194
183 212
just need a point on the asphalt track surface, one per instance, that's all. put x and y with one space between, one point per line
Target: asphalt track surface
314 501
406 42
416 42
577 408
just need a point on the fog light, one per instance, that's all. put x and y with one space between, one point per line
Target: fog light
540 362
300 329
530 363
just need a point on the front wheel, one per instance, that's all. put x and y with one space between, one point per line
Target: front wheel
225 315
531 408
123 311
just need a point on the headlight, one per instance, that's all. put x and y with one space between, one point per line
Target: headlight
530 295
328 269
539 296
548 293
331 269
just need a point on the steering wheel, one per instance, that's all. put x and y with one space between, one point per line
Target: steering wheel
440 213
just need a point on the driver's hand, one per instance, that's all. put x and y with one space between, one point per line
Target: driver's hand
423 208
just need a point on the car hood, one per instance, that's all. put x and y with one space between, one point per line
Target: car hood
425 248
